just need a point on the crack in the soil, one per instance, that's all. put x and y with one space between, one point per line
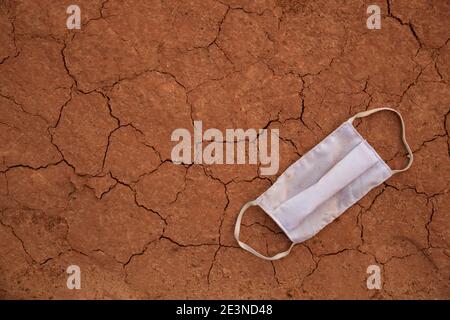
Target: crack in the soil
408 24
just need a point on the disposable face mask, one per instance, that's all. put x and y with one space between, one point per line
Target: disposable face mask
322 184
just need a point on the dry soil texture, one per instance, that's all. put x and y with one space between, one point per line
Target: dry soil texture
85 123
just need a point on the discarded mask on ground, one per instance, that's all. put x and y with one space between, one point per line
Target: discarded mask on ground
323 183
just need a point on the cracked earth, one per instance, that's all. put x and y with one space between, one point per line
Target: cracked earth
85 124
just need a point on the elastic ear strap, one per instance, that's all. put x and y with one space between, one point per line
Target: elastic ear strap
369 112
245 246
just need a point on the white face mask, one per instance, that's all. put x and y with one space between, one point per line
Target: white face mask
322 184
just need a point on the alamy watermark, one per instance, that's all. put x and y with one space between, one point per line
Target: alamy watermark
74 278
374 280
373 22
74 20
236 146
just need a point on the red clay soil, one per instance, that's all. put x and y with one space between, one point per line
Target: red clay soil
85 124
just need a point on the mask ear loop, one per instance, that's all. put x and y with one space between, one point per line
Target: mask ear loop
369 112
245 246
